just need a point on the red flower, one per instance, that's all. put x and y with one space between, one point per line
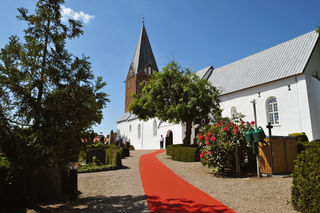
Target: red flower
235 130
225 129
207 138
218 124
209 134
202 154
231 123
252 122
222 121
208 152
207 143
235 127
213 138
201 137
242 122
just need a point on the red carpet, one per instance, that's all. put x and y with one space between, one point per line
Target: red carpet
167 192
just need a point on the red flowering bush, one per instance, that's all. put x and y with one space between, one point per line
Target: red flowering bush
217 146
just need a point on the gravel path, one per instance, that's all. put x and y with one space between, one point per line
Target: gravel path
110 191
268 194
122 191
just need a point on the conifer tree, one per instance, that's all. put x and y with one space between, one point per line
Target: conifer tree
49 98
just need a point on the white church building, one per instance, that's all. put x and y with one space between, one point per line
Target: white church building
284 82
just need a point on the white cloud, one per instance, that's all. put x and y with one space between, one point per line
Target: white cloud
70 13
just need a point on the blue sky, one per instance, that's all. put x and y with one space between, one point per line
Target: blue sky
196 33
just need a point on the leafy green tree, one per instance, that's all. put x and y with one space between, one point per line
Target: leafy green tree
178 96
49 98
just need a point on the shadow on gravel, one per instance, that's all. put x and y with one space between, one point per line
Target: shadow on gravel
183 205
126 203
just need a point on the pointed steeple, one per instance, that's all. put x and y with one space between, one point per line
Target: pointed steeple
143 56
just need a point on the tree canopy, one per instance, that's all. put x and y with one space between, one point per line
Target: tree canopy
49 98
178 96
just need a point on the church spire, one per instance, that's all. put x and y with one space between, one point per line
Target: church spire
143 55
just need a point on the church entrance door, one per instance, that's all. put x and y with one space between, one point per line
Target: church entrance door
169 138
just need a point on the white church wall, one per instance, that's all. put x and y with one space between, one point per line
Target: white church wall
148 140
312 73
176 129
294 115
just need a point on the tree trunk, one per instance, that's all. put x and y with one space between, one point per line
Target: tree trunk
187 138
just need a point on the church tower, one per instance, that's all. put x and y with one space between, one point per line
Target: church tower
142 67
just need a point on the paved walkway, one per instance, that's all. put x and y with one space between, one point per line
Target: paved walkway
167 192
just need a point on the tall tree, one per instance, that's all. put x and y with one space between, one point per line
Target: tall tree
178 96
49 98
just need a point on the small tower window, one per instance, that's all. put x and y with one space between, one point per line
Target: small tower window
130 128
139 131
149 70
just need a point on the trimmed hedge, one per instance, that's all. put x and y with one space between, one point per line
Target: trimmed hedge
180 152
302 138
86 168
305 191
113 157
169 149
125 152
99 153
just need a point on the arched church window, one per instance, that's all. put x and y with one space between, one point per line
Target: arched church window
233 111
272 110
149 70
139 131
155 125
130 128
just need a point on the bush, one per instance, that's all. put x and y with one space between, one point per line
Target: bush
99 154
217 145
131 147
302 138
185 154
125 152
90 168
113 157
169 149
305 191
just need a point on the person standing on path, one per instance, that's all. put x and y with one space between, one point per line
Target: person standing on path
161 142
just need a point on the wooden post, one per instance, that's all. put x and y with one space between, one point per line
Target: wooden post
269 126
238 172
255 125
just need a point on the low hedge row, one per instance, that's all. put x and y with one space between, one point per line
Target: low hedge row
125 152
305 191
113 157
86 169
179 152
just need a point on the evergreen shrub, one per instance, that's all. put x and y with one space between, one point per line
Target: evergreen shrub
185 154
169 149
302 138
113 157
131 147
305 191
98 153
125 152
